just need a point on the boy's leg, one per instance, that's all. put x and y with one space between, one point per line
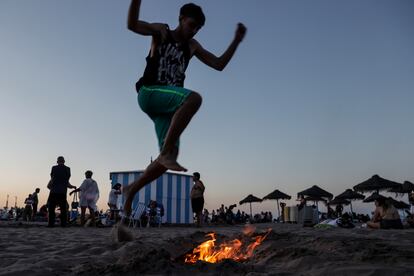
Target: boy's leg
180 120
152 172
168 156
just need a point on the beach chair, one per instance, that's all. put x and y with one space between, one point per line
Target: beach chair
136 214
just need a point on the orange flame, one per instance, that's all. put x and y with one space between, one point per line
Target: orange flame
235 250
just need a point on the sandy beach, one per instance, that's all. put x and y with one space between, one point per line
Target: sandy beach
288 250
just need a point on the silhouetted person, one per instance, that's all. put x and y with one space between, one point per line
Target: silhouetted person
197 198
338 209
302 202
161 94
282 209
58 185
28 210
35 199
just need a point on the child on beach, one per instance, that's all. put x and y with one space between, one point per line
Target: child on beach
161 94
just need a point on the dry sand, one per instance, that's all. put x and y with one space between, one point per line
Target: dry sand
288 250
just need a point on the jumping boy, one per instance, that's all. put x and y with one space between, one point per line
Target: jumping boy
161 94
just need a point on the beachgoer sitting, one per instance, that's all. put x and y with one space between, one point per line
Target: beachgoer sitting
385 216
155 212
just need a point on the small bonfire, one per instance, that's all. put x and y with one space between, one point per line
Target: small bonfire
238 250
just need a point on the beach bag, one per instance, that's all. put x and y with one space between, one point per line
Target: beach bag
75 202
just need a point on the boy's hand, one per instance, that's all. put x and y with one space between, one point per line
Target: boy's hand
240 32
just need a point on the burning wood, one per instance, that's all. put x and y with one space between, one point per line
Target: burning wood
236 250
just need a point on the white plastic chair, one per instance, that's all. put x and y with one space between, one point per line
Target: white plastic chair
136 214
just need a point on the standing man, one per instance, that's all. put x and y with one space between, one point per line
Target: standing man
161 92
35 202
197 198
58 185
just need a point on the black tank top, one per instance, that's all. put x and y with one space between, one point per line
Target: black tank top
168 64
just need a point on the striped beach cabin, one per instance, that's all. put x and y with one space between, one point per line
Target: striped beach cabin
170 189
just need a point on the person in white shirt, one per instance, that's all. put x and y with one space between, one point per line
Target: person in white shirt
113 200
89 195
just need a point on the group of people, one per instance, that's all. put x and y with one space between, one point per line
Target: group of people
226 215
89 195
59 185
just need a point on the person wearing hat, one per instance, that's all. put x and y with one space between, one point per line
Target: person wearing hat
113 200
58 185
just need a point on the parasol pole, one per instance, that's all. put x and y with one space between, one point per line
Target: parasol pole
352 212
278 210
251 216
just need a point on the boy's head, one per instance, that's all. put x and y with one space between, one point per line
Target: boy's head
191 19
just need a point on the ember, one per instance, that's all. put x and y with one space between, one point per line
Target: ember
236 250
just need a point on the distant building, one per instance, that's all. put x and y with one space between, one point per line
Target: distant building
170 189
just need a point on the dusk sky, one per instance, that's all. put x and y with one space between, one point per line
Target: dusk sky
318 93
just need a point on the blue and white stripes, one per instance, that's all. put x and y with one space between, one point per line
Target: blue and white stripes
171 189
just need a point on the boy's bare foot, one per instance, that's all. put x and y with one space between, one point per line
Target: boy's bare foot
170 163
121 234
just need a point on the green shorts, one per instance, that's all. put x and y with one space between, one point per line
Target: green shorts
160 103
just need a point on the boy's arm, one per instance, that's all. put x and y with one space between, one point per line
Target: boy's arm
142 27
219 63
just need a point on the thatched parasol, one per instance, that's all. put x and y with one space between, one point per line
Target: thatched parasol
351 195
316 193
374 197
399 204
375 183
405 188
276 194
249 199
339 201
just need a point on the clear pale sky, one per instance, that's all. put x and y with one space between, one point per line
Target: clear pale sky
318 93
